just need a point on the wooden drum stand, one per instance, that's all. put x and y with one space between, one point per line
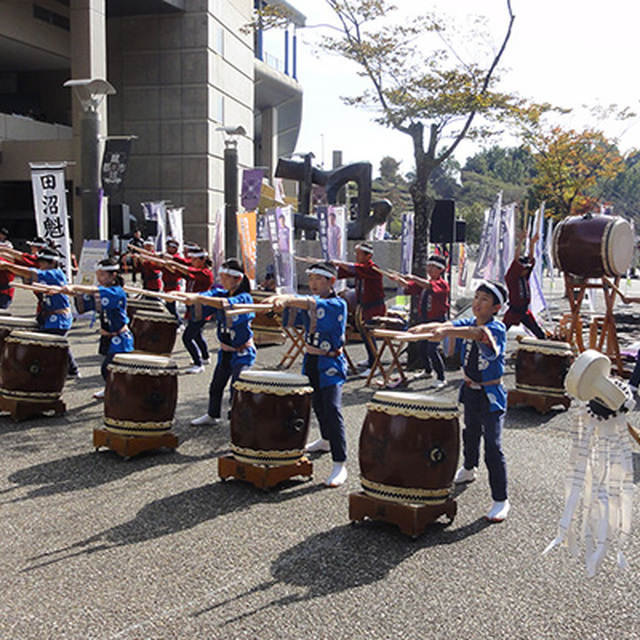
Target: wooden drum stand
262 476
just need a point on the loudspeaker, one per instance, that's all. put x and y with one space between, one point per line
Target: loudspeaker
443 222
150 229
119 220
461 230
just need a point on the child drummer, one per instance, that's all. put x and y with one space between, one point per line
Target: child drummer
324 315
482 393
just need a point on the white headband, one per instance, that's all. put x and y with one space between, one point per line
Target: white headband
364 247
320 271
231 272
496 292
197 254
435 263
109 267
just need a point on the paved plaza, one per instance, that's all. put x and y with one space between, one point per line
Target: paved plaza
157 547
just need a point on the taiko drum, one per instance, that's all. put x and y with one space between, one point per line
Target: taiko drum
270 417
13 323
141 394
33 366
154 332
409 448
542 365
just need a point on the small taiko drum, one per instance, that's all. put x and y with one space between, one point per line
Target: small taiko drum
267 327
409 447
33 366
141 395
144 304
12 323
593 246
154 332
542 365
270 417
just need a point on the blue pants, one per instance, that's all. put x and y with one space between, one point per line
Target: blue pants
5 300
478 422
433 359
105 363
194 341
327 403
224 370
634 380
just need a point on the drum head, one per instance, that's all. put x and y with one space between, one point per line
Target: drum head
619 247
142 361
38 337
14 322
550 347
155 316
275 378
418 404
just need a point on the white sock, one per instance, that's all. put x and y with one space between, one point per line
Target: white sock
338 475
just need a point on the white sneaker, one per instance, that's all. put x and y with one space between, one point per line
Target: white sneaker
99 395
437 384
205 420
463 476
207 361
363 363
196 368
338 475
365 373
498 511
318 445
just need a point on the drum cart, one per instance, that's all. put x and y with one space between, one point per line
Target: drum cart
23 409
412 519
262 476
129 446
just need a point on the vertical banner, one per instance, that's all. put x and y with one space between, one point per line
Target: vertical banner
115 161
332 231
174 225
251 186
508 238
156 212
406 243
279 224
538 303
217 245
92 252
488 256
50 206
248 228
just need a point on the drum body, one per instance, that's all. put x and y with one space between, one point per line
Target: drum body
270 417
33 366
542 365
593 246
144 304
141 395
12 323
266 327
409 448
154 332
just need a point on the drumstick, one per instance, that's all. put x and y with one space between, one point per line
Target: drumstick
171 297
38 287
401 336
307 259
141 250
613 286
239 309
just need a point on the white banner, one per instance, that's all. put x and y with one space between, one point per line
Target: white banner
156 212
174 220
50 206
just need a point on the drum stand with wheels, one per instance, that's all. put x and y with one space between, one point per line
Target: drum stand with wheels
129 446
23 409
542 403
602 332
262 476
412 519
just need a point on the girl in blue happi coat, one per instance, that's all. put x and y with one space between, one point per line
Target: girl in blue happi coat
54 311
110 301
237 351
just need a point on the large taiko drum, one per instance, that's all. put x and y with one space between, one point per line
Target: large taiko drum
270 417
154 332
593 246
144 304
542 365
12 323
141 394
33 366
409 447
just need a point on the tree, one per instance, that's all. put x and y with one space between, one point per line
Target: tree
623 192
573 168
436 98
391 185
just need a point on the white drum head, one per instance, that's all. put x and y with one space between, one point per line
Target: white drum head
618 247
15 322
548 347
420 405
142 360
275 378
37 337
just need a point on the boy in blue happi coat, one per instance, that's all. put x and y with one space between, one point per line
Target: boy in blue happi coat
237 350
482 393
324 315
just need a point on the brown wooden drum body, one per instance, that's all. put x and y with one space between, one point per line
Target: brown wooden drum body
144 304
154 332
267 327
33 366
593 246
542 365
409 448
141 395
15 323
270 417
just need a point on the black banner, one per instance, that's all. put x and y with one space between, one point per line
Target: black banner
114 164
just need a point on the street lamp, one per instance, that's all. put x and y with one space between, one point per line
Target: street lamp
231 187
90 92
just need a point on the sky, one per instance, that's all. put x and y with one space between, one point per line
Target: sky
567 52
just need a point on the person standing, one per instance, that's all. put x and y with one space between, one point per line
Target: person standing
482 393
324 315
369 295
237 351
172 280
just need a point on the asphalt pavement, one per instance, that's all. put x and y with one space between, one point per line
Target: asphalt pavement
158 547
